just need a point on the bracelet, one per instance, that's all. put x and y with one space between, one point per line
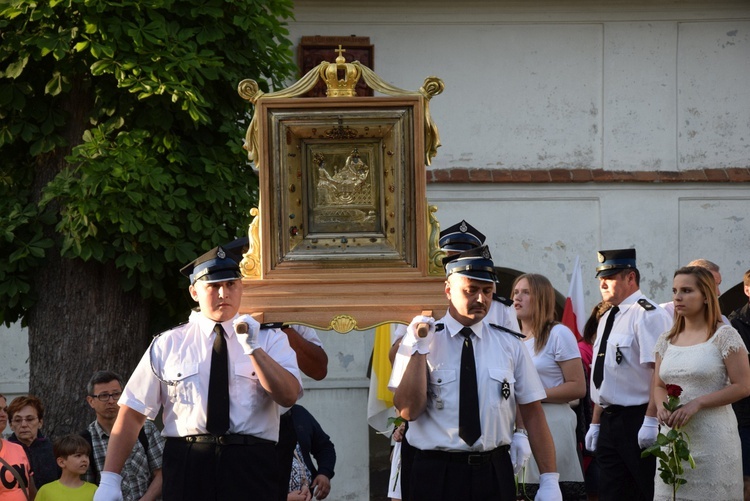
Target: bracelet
522 431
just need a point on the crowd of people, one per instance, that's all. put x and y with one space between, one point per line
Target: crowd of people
500 400
602 396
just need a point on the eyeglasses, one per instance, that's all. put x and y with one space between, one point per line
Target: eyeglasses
27 419
104 397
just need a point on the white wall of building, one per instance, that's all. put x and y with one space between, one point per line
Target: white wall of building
14 363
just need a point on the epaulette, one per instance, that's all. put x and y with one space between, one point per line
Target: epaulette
509 331
645 304
501 299
274 325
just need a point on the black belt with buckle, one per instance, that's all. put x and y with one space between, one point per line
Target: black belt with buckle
616 409
470 458
224 439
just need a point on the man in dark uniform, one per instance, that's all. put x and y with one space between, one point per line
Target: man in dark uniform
220 379
624 419
454 240
459 385
740 320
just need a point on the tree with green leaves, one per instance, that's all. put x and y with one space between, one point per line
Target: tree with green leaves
121 160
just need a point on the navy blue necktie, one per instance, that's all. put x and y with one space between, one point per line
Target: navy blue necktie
599 363
217 418
469 426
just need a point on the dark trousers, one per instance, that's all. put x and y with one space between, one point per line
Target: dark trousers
623 474
449 476
407 459
285 453
213 472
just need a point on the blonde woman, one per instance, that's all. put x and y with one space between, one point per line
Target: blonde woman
554 350
708 360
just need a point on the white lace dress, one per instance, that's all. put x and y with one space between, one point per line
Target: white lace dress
714 440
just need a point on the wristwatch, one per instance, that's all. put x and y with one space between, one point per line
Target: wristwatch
522 431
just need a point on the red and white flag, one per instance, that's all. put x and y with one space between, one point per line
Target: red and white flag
574 313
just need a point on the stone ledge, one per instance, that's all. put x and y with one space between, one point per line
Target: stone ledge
536 176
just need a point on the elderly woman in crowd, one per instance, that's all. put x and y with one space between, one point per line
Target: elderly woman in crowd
26 414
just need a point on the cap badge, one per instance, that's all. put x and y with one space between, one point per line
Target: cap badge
221 254
601 257
486 253
463 227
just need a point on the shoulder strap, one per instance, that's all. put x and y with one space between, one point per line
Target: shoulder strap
86 434
143 439
501 328
19 478
501 299
645 304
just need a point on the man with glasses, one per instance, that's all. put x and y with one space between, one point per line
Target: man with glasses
141 475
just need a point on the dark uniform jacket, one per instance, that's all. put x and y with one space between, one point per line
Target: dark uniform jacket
312 439
740 320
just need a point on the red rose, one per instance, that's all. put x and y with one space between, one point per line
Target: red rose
674 390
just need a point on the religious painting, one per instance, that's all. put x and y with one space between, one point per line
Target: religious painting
344 189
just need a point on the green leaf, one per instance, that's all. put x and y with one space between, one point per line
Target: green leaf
54 86
15 69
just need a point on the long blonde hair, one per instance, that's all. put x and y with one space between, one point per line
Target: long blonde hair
707 286
542 296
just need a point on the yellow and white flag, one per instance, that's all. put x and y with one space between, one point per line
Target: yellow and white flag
380 398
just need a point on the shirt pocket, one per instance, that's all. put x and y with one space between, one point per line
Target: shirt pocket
184 376
247 389
620 348
502 386
442 388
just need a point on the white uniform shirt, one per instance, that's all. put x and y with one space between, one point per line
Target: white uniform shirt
183 354
561 346
634 333
501 360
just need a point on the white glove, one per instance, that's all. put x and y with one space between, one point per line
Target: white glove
109 487
520 451
549 487
249 337
411 340
592 437
647 433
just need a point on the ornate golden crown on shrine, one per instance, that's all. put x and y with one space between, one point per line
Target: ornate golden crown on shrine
340 87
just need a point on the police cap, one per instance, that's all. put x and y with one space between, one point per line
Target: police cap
460 237
220 264
614 261
475 263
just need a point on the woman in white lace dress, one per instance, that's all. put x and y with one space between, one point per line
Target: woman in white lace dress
554 351
708 359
